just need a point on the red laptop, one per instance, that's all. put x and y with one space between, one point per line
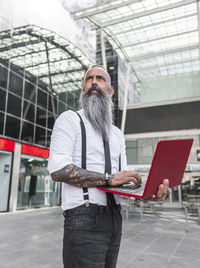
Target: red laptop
169 162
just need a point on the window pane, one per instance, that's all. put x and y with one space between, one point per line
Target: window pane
3 77
61 108
48 137
12 127
14 105
63 96
29 111
50 120
77 96
40 136
41 117
42 99
54 102
30 92
70 99
1 122
27 132
15 84
2 99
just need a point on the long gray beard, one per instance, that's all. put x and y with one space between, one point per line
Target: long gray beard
98 110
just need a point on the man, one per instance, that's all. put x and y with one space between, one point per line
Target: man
92 229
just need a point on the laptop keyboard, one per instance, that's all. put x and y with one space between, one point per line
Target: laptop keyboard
131 187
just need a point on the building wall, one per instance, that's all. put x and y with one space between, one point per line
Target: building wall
170 88
177 116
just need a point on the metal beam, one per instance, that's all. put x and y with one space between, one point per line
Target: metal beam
147 12
103 51
69 81
61 72
10 35
32 52
20 44
154 24
161 53
41 63
62 90
159 38
18 29
100 9
50 82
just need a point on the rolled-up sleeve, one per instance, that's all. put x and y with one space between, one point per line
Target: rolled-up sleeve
62 141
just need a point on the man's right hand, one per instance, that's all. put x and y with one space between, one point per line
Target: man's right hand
125 176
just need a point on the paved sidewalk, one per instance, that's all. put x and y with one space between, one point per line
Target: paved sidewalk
33 239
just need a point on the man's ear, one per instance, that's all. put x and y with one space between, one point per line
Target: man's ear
112 91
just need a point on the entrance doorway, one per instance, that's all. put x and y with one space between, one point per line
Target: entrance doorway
5 174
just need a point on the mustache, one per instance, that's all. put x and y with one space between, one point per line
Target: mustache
100 91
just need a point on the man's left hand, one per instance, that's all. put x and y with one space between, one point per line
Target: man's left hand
162 193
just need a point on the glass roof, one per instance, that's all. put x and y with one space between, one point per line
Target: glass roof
159 38
46 55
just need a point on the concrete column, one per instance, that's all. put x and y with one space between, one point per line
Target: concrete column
15 178
125 100
179 194
103 50
170 196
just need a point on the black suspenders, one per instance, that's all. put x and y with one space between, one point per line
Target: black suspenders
108 167
83 157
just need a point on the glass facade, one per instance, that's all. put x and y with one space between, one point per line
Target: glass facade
36 188
28 108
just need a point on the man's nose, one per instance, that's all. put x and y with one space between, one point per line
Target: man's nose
94 81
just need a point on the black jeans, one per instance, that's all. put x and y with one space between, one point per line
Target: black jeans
92 237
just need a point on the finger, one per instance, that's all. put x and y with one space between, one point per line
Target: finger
166 190
130 180
166 183
135 175
160 191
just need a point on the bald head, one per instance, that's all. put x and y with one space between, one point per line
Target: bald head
101 67
97 76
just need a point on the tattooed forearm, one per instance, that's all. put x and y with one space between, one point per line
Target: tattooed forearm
79 177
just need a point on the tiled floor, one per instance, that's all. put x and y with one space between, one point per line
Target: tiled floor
33 239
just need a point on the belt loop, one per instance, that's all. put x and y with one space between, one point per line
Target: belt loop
101 211
87 204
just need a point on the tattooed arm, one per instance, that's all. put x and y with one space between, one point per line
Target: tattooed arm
80 177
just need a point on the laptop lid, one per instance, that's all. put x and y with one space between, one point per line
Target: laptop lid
169 162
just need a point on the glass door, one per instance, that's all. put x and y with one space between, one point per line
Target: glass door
5 174
36 188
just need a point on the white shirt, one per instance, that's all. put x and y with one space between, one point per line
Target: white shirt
65 149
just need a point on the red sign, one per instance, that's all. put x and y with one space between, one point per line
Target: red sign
34 150
7 145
